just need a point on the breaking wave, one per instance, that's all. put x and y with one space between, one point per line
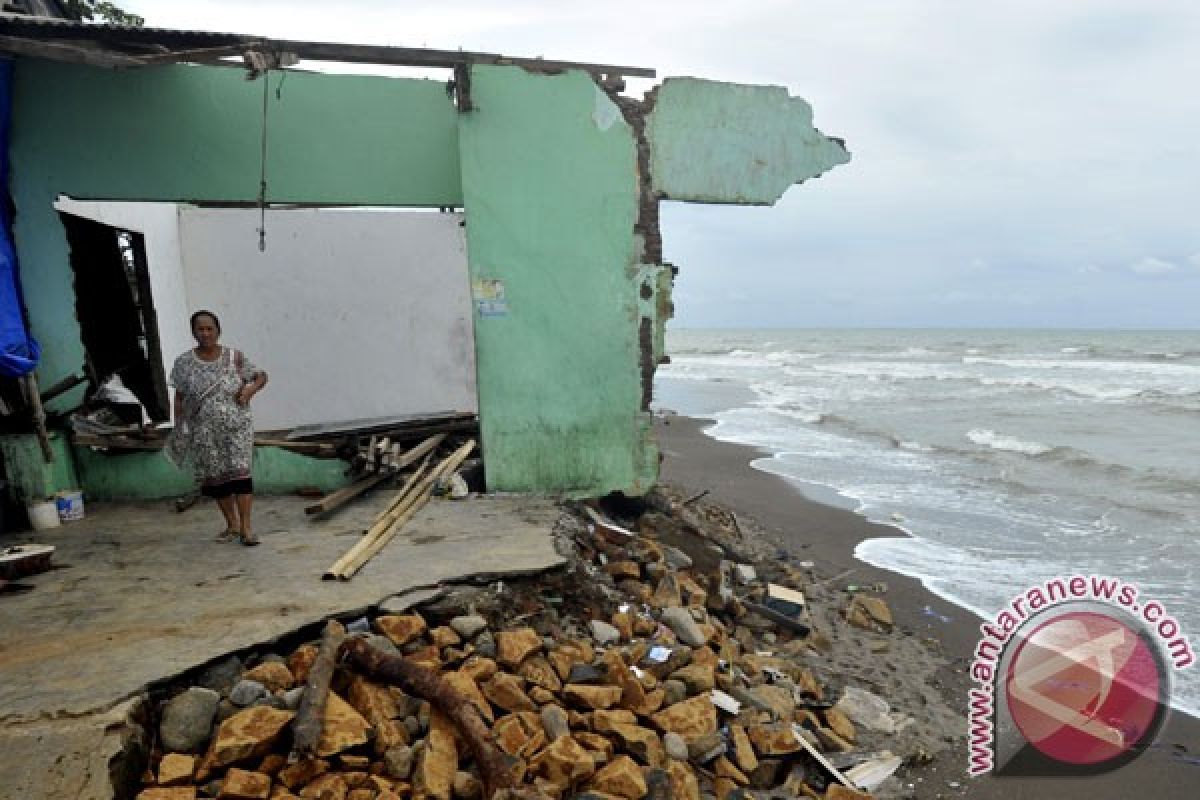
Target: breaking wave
998 441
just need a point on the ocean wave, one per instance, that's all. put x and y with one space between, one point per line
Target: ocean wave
790 356
1095 365
998 441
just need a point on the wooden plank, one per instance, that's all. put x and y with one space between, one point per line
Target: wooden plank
201 54
59 51
369 425
417 453
344 495
421 57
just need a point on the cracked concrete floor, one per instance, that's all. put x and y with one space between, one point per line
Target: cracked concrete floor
140 593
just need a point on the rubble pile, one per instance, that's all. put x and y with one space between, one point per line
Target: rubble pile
657 665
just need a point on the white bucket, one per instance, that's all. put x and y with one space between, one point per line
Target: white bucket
43 516
70 504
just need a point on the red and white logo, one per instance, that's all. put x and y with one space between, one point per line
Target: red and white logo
1085 688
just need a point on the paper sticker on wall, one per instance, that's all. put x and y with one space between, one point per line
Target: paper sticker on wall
489 297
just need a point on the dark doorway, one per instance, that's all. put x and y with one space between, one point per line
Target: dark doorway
116 315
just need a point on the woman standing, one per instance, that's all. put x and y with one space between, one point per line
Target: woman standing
214 431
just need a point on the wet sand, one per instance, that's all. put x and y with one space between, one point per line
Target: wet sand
827 536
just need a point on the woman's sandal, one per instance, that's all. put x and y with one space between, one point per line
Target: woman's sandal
228 535
248 541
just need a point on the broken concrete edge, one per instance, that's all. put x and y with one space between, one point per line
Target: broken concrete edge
129 718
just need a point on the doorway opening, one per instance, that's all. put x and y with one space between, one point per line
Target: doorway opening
115 310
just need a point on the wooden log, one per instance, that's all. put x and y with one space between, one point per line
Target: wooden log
39 416
306 731
495 768
420 496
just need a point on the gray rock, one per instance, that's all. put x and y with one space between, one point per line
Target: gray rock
680 621
584 673
654 571
767 773
413 725
675 746
676 692
469 626
603 633
554 721
383 644
360 625
292 698
187 720
676 557
247 693
658 784
703 749
221 677
485 644
398 762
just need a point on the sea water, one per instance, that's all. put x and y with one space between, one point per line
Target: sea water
1009 457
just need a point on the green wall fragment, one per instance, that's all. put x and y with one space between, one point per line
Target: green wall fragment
550 189
715 142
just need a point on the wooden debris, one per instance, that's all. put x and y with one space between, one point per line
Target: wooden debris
309 719
415 493
385 466
494 766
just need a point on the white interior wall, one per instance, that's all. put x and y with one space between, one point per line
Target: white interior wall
353 313
159 225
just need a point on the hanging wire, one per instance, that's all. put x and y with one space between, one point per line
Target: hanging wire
262 176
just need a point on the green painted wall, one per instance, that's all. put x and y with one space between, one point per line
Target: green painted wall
149 475
30 478
714 142
145 475
550 188
192 133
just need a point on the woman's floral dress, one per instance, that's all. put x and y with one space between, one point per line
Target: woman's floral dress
215 435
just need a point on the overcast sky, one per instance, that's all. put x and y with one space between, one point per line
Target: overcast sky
1015 164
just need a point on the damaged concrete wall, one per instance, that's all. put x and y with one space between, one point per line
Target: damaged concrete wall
714 142
550 185
562 182
180 133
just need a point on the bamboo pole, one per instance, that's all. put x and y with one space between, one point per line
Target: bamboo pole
378 525
385 528
403 514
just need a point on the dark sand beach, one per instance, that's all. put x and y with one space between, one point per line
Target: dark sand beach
827 536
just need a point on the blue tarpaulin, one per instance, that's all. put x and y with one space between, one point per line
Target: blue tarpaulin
18 350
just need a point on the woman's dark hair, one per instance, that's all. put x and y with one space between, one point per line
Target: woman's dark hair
208 314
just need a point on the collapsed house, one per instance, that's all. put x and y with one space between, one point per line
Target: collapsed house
519 275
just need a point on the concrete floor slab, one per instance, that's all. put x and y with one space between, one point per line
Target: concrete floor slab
141 593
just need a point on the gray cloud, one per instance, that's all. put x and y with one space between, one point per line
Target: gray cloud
1053 143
